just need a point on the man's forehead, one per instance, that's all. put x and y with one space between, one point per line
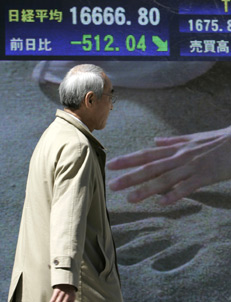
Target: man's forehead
108 84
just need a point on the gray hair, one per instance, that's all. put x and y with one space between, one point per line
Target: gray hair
78 82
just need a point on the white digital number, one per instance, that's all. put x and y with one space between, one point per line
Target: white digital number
151 16
97 15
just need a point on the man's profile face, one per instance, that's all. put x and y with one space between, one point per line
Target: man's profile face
103 105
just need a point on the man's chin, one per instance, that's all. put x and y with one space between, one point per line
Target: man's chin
101 127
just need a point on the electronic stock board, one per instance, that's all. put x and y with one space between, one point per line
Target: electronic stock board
115 30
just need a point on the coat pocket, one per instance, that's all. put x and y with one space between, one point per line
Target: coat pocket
108 265
15 287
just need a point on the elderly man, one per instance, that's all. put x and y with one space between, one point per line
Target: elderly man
65 250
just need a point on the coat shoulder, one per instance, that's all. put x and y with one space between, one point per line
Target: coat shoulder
61 134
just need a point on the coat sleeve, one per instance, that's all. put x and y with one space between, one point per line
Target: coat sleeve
72 195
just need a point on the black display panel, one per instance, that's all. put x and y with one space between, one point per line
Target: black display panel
109 30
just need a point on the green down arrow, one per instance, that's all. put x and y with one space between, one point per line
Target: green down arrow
162 46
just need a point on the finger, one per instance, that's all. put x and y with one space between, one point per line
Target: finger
60 296
69 298
141 157
160 185
167 141
193 148
146 172
55 295
198 137
180 191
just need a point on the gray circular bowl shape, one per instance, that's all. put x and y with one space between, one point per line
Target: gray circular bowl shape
132 74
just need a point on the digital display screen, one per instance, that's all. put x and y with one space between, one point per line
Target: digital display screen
109 30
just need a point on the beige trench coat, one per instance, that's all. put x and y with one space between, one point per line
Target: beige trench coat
65 236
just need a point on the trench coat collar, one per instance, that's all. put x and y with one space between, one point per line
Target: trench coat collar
67 117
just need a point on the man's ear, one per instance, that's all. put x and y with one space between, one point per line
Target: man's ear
89 98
